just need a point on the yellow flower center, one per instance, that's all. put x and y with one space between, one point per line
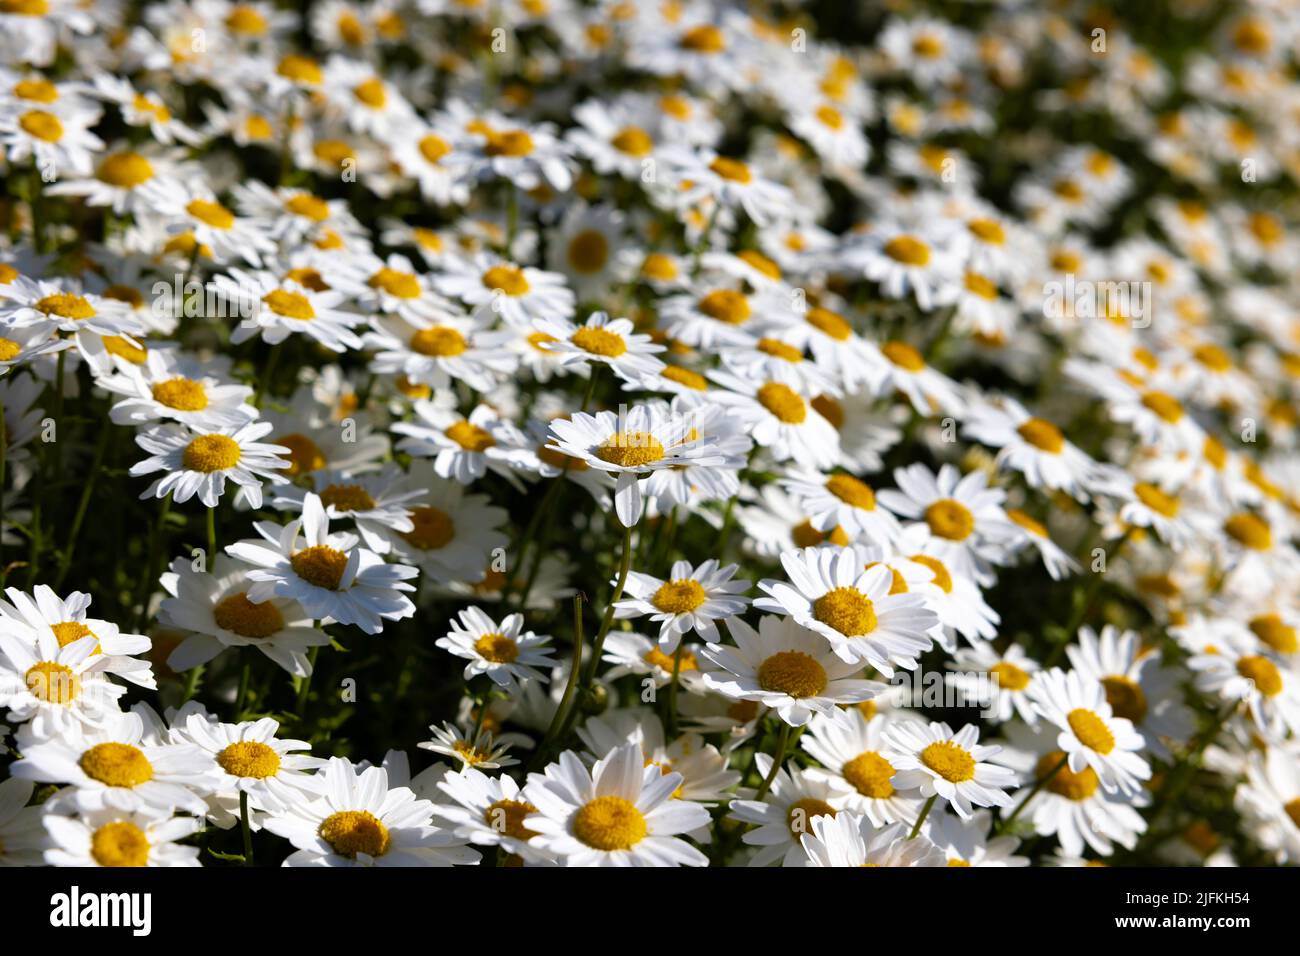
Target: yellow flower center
182 394
1250 531
950 761
981 286
942 578
438 341
1010 677
659 267
291 305
588 251
852 491
908 250
1276 633
67 632
470 436
792 673
1042 434
1091 730
830 323
725 305
1293 810
1066 783
705 38
732 170
684 376
903 355
42 125
372 93
125 170
496 648
1165 406
120 843
309 207
829 409
433 529
829 117
66 305
507 817
783 402
1155 499
116 765
9 350
237 614
347 497
609 823
246 20
870 775
512 142
401 285
779 349
801 813
1264 673
599 341
679 597
36 90
209 453
508 279
433 148
249 758
1125 697
350 832
630 449
212 213
950 519
305 455
301 69
846 610
320 565
987 230
658 658
634 141
52 682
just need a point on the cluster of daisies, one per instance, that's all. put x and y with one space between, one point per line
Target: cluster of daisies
630 404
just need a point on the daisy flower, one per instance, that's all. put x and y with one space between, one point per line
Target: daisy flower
56 687
360 821
968 843
901 368
464 449
900 262
436 354
966 525
197 464
954 766
1090 734
393 287
785 667
54 305
214 610
377 504
453 533
53 141
251 760
274 309
603 340
854 608
842 501
174 387
621 813
529 156
518 294
484 751
505 652
850 746
631 653
997 683
22 830
112 837
704 174
784 815
632 446
331 575
195 211
1268 688
119 180
779 418
848 839
1032 446
124 764
489 811
1031 532
690 599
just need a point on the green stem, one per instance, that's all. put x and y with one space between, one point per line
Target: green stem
672 689
191 683
101 446
925 812
268 373
782 742
1181 776
561 715
625 566
1038 785
212 536
245 828
241 698
150 577
300 705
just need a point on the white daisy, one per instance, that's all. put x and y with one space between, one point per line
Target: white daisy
113 837
197 463
505 652
690 599
954 766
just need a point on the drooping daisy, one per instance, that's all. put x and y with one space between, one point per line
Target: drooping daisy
360 821
854 608
621 813
847 839
786 667
505 652
198 463
331 575
1090 734
900 367
481 750
935 760
690 599
113 838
